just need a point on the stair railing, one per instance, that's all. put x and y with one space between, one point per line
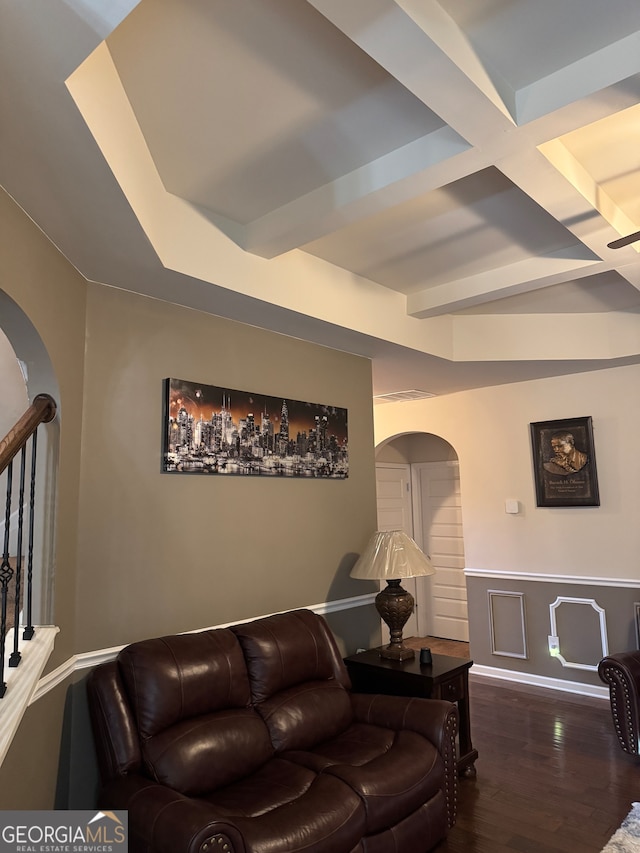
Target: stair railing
19 582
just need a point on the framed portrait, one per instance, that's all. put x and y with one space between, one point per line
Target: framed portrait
564 463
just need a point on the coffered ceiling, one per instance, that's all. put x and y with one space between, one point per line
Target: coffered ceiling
430 184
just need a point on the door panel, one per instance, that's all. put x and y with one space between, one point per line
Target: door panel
438 531
450 578
446 515
445 545
395 512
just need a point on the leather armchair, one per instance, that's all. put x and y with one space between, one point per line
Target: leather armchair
621 672
249 740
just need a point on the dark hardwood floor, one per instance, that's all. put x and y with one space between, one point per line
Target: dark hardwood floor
454 648
550 774
551 777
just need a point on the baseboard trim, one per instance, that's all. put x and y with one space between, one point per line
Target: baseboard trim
87 660
627 583
592 690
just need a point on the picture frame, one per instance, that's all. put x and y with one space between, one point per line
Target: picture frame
564 463
210 429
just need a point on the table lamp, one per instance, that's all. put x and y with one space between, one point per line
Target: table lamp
391 555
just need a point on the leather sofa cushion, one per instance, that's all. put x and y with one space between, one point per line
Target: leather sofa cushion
393 772
284 650
305 715
284 807
204 753
169 679
417 833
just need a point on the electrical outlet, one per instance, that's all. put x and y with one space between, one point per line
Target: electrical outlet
554 646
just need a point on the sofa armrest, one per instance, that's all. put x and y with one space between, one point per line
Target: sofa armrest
114 730
621 672
165 821
434 719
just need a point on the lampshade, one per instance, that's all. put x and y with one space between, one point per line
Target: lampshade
392 554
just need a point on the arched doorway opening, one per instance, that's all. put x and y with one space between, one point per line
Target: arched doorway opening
418 490
26 371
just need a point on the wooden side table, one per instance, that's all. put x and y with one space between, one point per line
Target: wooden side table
445 678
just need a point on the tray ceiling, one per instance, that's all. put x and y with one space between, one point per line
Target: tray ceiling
398 179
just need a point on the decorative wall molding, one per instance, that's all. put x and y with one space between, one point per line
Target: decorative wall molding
627 583
589 602
533 680
87 660
494 596
26 686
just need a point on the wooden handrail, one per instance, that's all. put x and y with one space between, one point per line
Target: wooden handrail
41 411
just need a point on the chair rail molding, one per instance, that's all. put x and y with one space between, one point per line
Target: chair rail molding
87 660
582 580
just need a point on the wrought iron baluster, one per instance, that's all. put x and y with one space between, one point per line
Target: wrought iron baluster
14 660
6 573
29 630
41 411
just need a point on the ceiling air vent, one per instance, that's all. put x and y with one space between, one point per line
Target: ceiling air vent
402 396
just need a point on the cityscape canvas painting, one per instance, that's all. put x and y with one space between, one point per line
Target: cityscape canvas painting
213 430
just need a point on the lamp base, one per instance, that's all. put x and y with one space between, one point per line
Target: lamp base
395 605
391 652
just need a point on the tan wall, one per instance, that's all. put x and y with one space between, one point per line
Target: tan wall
141 553
29 776
173 552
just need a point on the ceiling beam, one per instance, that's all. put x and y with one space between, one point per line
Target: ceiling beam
531 274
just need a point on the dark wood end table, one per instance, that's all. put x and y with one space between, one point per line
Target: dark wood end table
445 678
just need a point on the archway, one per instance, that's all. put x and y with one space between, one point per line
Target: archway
425 466
26 371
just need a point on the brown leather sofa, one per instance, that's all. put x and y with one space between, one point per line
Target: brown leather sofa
249 740
621 672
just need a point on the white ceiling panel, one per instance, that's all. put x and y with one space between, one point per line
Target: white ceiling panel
374 175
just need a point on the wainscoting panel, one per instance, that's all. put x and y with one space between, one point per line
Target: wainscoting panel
581 627
507 624
591 617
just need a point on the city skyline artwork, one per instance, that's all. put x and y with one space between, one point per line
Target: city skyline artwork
209 429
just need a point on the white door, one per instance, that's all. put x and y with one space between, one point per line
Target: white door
442 598
395 512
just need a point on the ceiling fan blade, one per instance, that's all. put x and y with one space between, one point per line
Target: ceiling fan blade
624 241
